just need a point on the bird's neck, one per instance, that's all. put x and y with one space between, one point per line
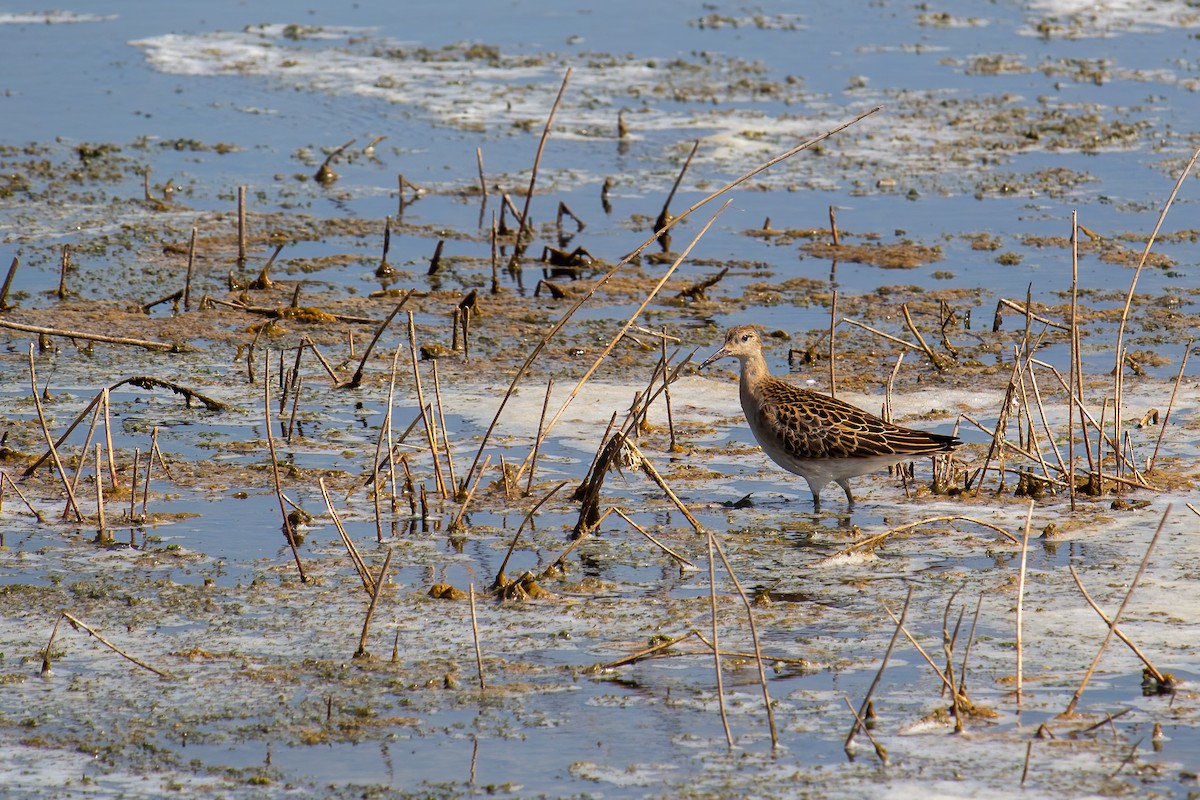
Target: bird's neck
754 370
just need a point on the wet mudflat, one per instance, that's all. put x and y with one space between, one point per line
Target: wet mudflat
584 666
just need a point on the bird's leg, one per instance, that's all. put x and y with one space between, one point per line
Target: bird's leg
845 484
816 499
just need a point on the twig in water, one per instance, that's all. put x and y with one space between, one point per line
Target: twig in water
880 750
683 562
500 579
1112 626
665 219
103 535
187 281
426 411
456 523
872 542
4 476
538 439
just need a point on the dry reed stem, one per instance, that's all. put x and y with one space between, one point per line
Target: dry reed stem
359 566
928 660
102 534
962 670
456 523
1119 348
516 537
879 333
1112 625
76 623
948 641
475 636
873 541
887 654
4 476
1170 405
683 562
641 655
83 452
426 412
644 464
538 439
287 523
663 221
361 652
1037 396
8 279
579 537
187 281
523 220
1154 672
437 395
1026 312
58 465
937 361
600 282
880 750
356 379
241 226
1021 602
1076 365
94 337
1016 449
758 659
712 598
625 327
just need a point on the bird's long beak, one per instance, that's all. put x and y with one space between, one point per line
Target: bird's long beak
717 356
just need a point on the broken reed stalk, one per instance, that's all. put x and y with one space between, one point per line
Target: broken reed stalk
645 466
1170 405
1076 364
65 265
437 395
938 362
359 566
683 562
426 411
8 279
102 534
1161 678
356 379
361 652
456 523
241 226
93 337
758 659
482 182
475 636
58 465
516 537
1119 348
879 333
379 481
887 654
832 323
538 439
76 623
4 476
921 650
1021 601
880 750
600 282
1112 627
712 598
523 220
624 329
664 217
82 461
962 670
112 464
187 280
287 522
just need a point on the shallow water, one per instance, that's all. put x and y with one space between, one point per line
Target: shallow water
998 119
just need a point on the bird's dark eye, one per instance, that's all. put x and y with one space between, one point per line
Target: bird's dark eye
745 337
